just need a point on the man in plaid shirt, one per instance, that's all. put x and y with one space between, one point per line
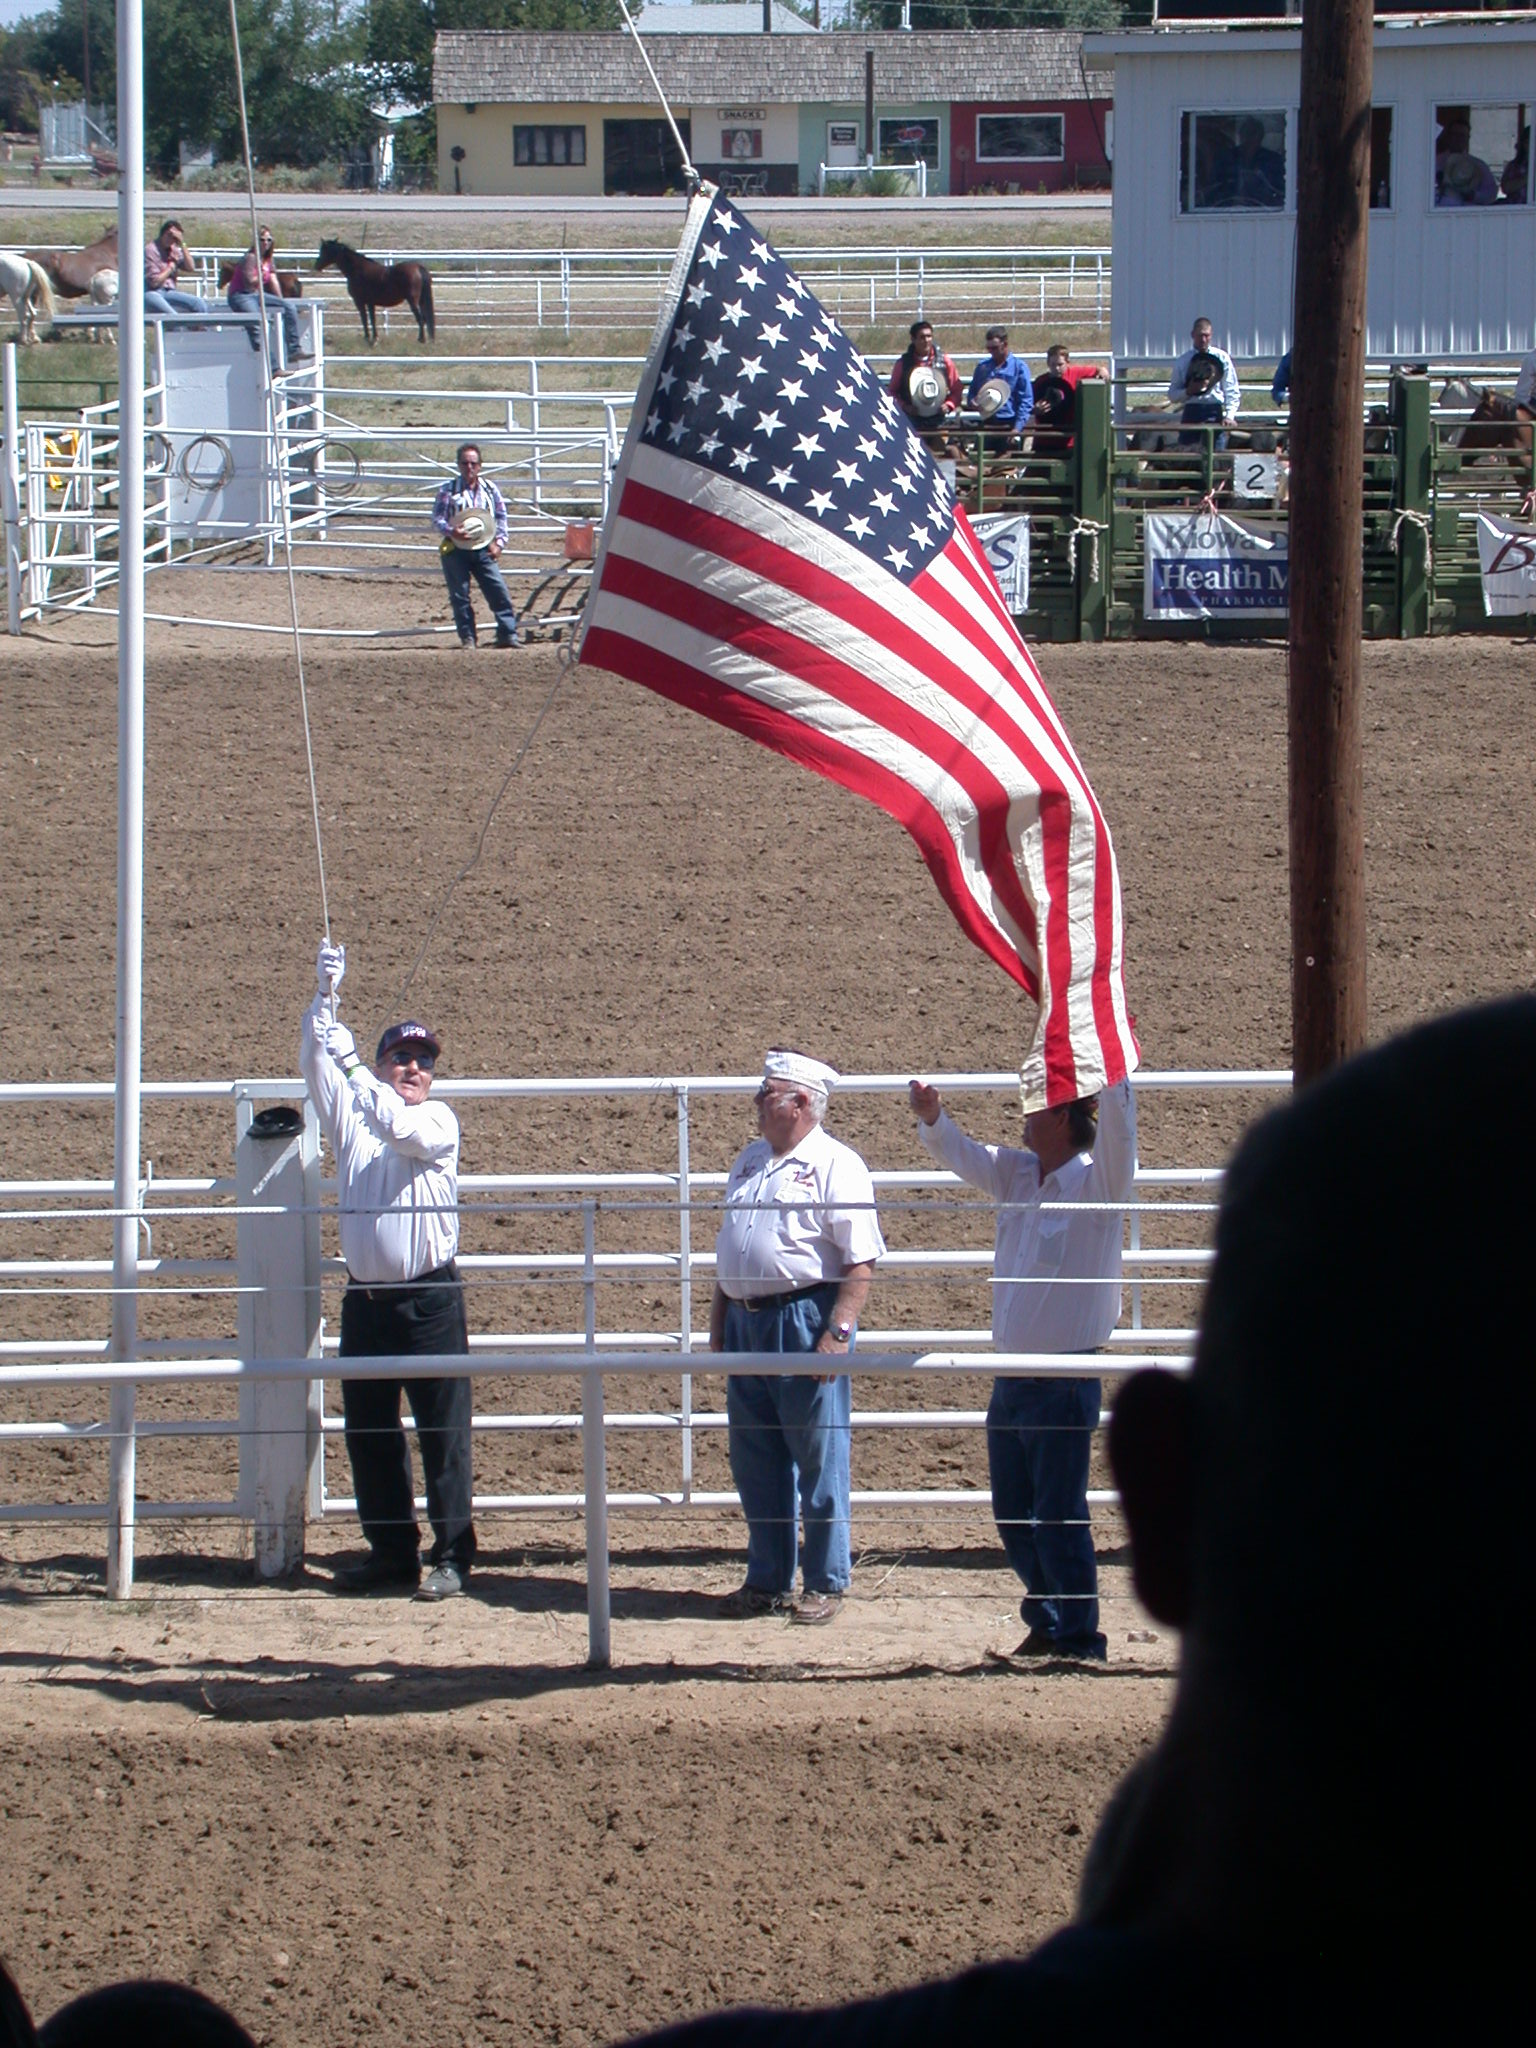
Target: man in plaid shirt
470 492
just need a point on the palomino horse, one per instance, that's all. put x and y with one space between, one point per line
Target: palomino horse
26 285
371 284
70 270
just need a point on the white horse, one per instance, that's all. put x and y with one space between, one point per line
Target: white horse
26 285
104 292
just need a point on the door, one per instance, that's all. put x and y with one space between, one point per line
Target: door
843 143
641 157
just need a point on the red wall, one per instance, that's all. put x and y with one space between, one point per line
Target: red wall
1083 152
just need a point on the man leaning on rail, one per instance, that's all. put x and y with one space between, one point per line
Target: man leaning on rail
397 1172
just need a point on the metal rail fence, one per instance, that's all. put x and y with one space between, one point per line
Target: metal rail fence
242 1299
597 291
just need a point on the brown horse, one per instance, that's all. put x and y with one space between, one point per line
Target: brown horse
70 270
1496 423
371 284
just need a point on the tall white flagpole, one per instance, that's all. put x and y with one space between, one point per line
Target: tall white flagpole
130 779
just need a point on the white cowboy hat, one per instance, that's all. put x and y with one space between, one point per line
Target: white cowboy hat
471 530
993 393
925 391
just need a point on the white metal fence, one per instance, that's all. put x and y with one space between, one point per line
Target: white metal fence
247 1303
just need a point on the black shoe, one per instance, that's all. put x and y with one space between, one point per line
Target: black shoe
1063 1649
509 639
376 1574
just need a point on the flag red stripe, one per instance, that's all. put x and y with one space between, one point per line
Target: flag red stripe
697 690
1105 891
696 526
823 670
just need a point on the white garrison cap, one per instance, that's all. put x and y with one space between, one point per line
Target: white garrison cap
803 1071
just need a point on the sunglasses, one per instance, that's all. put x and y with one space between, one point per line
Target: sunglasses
411 1056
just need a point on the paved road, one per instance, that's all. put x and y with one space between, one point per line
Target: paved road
102 201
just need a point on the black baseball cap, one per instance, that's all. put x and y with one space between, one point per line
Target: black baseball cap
408 1033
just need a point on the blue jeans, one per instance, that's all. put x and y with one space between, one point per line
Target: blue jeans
1038 1435
247 302
789 1449
459 565
168 301
1202 412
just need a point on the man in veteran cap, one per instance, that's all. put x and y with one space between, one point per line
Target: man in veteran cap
397 1171
794 1259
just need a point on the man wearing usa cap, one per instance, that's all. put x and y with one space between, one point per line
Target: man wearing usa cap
793 1263
397 1169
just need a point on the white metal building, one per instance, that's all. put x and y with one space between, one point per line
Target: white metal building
1205 186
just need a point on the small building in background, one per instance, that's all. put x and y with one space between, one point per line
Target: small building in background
1205 187
574 114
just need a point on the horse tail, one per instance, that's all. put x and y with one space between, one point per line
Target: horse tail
427 312
42 290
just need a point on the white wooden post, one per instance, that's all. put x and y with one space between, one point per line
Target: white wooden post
594 1460
10 491
685 1279
277 1172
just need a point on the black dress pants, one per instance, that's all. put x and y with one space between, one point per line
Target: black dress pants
423 1315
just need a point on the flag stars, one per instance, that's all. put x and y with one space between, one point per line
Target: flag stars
787 307
714 348
676 431
761 253
867 448
898 558
771 334
681 336
859 527
821 503
696 389
810 362
653 419
752 369
831 417
697 293
792 389
712 254
730 403
781 480
741 458
735 312
711 442
808 445
883 502
665 381
749 277
847 473
768 423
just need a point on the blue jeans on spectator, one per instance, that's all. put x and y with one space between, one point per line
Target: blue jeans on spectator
248 302
459 565
168 301
1202 412
789 1449
1038 1437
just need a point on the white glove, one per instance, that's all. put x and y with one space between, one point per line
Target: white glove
340 1044
330 965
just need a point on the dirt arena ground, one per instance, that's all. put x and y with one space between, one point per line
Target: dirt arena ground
370 1822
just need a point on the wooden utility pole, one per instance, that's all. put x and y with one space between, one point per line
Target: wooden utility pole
1327 453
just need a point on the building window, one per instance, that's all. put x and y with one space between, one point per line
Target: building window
549 145
906 142
1482 155
741 145
1020 138
1381 156
1233 162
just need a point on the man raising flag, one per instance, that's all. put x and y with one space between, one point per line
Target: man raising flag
783 556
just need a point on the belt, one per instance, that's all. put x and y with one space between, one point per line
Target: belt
759 1302
438 1276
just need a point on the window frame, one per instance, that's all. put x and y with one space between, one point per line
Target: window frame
531 162
1519 108
895 163
1189 210
1059 155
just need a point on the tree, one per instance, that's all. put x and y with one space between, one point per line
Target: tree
1003 14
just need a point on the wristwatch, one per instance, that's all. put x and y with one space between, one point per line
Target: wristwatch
841 1331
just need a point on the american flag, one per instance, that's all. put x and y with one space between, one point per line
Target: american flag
783 555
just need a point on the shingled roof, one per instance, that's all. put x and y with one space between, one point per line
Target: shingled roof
519 67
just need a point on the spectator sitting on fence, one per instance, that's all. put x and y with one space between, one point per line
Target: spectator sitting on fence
1203 345
926 385
1316 1835
256 264
1055 413
165 258
1001 390
1280 384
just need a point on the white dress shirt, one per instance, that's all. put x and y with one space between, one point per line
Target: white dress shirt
1231 393
795 1220
397 1166
1039 1245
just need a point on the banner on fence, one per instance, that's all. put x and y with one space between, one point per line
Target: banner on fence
1004 538
1202 565
1507 556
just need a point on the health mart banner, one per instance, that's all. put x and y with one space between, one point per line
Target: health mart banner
1507 555
1203 565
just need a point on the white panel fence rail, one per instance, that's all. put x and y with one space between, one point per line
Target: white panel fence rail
256 1305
